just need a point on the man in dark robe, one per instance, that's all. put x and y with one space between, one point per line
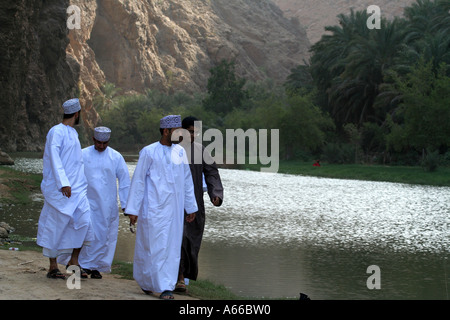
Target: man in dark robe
202 165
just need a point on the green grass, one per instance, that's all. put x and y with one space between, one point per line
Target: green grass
123 269
19 185
201 289
20 242
399 174
207 290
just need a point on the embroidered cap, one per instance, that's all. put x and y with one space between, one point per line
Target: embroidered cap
102 134
171 121
71 106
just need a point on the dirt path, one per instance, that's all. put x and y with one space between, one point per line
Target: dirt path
23 277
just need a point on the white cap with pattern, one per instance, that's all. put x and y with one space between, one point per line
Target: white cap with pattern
71 106
102 134
171 121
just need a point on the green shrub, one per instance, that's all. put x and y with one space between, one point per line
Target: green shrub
431 161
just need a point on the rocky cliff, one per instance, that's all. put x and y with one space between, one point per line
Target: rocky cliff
35 76
135 44
171 45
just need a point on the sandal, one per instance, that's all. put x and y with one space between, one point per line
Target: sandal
166 295
56 274
147 292
180 287
95 274
83 273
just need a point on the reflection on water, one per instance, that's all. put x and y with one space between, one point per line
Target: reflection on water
31 165
277 235
333 273
267 209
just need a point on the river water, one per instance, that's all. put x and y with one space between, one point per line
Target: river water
277 235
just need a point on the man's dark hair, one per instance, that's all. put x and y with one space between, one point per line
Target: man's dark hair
70 115
188 121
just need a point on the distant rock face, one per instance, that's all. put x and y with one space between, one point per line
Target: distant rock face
166 45
35 77
172 44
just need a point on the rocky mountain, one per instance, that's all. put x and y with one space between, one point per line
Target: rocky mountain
34 73
135 44
171 45
315 15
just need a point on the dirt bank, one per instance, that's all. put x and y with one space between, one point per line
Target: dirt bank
23 277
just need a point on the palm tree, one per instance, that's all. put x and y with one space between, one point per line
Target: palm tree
443 22
368 61
427 17
327 61
300 78
106 98
351 63
428 31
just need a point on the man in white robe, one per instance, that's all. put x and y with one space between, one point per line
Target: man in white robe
161 190
64 223
103 166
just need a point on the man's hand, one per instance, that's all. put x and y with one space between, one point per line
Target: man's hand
190 217
133 219
216 201
66 191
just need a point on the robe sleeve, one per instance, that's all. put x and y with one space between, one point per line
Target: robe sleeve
137 187
59 173
190 203
212 177
124 181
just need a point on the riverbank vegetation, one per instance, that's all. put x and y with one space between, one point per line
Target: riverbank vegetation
396 174
16 186
366 96
201 289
